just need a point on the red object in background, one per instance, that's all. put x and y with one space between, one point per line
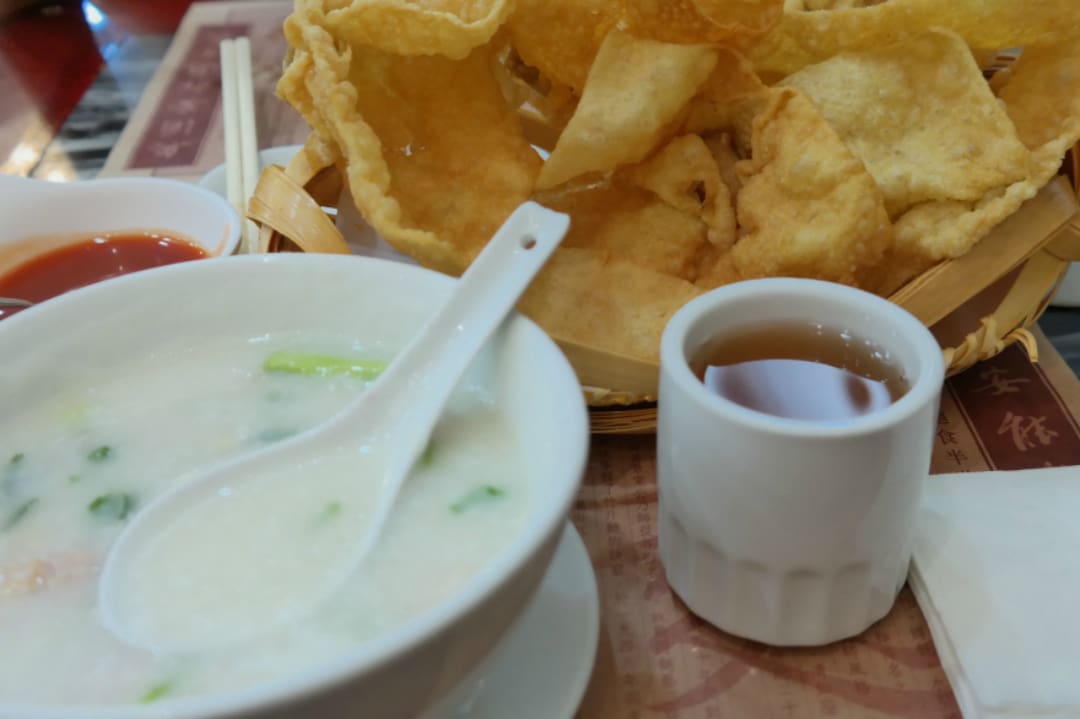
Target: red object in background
49 57
83 263
52 52
140 17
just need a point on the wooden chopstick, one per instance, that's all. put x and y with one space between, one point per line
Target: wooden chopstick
241 135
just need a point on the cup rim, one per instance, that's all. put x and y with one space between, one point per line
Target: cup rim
675 367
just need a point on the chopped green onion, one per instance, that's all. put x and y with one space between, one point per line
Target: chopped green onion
11 475
158 691
100 454
114 507
275 434
331 510
18 515
428 456
317 365
73 478
477 496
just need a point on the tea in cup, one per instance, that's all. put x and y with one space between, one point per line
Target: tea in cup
795 429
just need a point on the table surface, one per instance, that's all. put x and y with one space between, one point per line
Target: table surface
71 74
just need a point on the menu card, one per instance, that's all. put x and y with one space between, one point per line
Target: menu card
655 659
176 131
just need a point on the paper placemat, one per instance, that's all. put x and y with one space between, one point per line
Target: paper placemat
176 129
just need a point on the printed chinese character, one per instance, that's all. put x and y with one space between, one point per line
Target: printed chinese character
183 106
194 86
998 381
947 436
1026 432
165 150
177 126
957 455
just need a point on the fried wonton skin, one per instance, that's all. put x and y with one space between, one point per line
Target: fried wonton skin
921 117
805 37
805 204
433 183
435 27
567 54
693 142
729 22
635 90
1041 95
807 207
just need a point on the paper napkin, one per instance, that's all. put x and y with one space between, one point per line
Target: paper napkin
996 570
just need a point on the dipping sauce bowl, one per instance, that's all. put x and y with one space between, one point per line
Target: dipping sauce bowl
58 237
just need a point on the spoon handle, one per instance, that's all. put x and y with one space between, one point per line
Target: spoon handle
418 383
430 366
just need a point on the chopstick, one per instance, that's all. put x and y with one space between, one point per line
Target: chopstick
241 134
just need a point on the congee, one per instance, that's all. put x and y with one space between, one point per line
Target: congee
80 464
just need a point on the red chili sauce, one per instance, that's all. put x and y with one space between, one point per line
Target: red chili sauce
83 263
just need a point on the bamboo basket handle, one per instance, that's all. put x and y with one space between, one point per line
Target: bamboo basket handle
287 206
1046 219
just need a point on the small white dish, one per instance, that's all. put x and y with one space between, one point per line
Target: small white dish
40 216
214 180
541 669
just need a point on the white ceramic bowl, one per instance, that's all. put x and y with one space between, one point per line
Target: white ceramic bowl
214 180
402 672
40 216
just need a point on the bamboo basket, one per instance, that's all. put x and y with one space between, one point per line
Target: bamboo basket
976 305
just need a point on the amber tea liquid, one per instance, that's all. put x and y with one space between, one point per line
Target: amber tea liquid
803 371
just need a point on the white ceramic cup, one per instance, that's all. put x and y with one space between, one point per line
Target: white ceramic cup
785 531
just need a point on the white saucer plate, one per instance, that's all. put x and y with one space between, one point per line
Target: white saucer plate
542 666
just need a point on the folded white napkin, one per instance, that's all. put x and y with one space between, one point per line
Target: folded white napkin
996 570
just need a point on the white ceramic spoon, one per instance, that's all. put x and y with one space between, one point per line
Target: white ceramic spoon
214 539
14 302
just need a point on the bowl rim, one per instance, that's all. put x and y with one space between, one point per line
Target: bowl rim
385 648
226 245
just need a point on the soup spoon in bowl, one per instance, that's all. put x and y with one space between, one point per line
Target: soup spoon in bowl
14 302
217 561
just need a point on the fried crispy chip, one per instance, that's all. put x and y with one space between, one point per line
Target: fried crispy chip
1041 93
605 303
564 56
1042 96
434 27
806 37
921 118
433 183
617 221
807 205
729 100
635 89
683 164
685 175
696 21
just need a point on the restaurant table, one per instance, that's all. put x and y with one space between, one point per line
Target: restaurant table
115 88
